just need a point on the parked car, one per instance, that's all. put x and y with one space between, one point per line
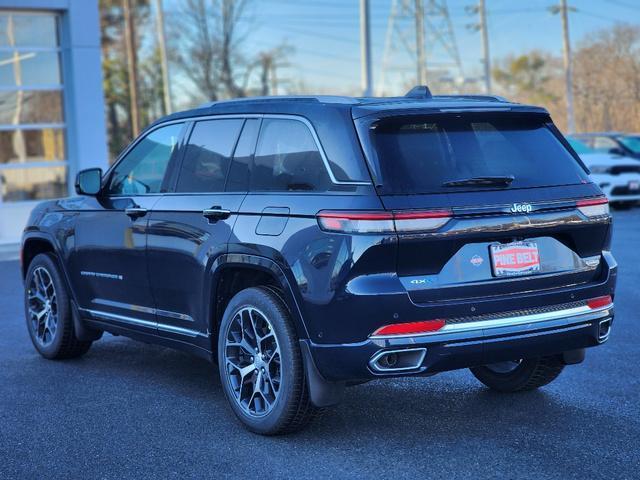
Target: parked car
617 176
306 244
632 142
615 143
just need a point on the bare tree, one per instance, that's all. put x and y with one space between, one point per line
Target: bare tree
197 52
210 48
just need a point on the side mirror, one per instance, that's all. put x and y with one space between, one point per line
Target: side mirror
616 151
88 181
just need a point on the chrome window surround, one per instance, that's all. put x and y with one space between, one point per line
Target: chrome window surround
504 322
185 120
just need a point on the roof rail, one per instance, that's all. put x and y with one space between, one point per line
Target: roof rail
280 98
420 91
486 98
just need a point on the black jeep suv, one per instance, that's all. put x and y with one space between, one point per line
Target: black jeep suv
306 244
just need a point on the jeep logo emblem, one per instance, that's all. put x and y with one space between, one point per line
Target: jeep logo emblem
521 208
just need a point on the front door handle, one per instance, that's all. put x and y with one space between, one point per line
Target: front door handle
135 212
216 213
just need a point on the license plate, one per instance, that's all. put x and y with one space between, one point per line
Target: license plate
634 185
519 258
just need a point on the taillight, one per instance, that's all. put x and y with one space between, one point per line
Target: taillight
410 328
599 302
593 207
356 222
383 222
420 221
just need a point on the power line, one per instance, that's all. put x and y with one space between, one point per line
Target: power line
624 4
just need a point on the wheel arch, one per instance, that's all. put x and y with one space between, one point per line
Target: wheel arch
231 273
34 244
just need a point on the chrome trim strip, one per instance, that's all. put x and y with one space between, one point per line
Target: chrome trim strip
121 318
374 365
143 323
517 336
140 308
504 322
179 330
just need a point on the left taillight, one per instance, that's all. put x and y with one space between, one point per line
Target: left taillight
382 222
593 207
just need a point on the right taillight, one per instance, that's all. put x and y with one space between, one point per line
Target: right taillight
593 207
382 221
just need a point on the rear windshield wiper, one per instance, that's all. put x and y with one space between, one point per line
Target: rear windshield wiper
481 181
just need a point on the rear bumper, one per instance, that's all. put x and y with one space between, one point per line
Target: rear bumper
472 344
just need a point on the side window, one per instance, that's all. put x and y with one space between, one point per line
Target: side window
287 159
604 144
206 161
142 169
238 179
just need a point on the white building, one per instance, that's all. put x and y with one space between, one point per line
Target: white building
51 104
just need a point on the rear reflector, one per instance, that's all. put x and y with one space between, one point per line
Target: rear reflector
593 207
383 222
599 302
410 328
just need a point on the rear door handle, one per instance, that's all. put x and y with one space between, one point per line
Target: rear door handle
135 212
216 213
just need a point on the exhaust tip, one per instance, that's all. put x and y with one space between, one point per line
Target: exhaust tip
604 329
389 361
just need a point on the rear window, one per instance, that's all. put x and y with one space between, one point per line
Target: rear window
419 154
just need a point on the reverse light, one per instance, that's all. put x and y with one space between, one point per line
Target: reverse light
383 222
593 207
410 328
599 302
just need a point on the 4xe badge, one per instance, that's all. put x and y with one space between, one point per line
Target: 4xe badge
521 208
476 260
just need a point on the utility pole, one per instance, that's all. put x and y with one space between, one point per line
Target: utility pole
132 67
365 50
485 46
421 58
563 9
568 66
164 64
481 26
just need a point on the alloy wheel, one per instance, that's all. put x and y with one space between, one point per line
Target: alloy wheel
252 361
42 306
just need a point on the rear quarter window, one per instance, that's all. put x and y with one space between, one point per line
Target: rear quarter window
418 154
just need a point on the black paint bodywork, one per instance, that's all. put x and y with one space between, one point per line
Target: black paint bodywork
163 269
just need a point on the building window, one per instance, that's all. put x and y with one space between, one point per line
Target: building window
33 162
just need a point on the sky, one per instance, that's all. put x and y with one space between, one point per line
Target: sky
325 36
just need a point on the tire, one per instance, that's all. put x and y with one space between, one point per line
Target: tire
48 311
266 390
529 374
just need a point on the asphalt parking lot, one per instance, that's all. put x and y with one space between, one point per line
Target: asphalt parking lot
132 410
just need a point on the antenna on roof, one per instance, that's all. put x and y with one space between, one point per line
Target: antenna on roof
421 91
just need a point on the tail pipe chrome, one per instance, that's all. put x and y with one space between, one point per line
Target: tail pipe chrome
604 329
401 360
